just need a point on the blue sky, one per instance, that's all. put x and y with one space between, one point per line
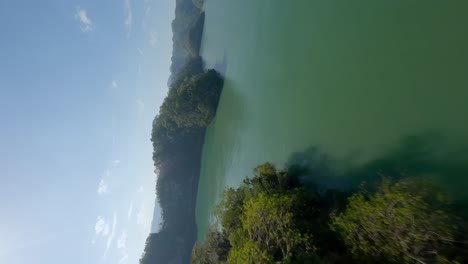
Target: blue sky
80 83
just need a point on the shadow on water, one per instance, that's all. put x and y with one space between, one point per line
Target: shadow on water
425 155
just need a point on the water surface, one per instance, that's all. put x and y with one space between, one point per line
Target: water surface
357 82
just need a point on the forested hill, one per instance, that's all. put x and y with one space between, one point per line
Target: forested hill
177 137
186 15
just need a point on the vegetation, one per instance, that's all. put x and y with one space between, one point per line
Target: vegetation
195 35
186 17
274 217
177 137
198 3
397 223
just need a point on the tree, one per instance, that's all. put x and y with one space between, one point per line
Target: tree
260 220
397 223
213 250
193 104
268 221
195 35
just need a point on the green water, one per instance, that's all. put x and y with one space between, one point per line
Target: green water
354 81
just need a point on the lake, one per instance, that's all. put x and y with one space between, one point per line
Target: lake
361 86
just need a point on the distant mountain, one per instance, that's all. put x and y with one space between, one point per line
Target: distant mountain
186 15
177 137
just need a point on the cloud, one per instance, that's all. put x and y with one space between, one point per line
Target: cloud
110 238
141 106
139 70
114 84
122 241
140 51
102 188
144 22
116 162
112 234
140 189
153 39
128 16
101 227
86 24
106 230
124 258
130 211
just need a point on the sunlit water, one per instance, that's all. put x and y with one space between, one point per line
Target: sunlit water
347 81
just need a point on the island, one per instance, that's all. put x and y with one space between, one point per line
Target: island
177 137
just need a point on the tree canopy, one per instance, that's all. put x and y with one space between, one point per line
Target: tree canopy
273 218
398 223
177 138
261 219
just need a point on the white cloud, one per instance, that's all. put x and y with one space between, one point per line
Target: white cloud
110 238
100 223
116 163
128 15
130 211
86 24
106 230
101 227
114 84
140 189
144 21
153 39
140 51
112 234
122 241
124 258
139 70
102 188
141 106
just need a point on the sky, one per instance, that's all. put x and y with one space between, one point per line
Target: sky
80 83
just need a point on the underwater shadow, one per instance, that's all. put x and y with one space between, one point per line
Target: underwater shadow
416 155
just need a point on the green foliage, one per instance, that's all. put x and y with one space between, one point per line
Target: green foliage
195 35
186 15
193 66
260 219
272 218
396 223
215 248
193 104
268 220
177 138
